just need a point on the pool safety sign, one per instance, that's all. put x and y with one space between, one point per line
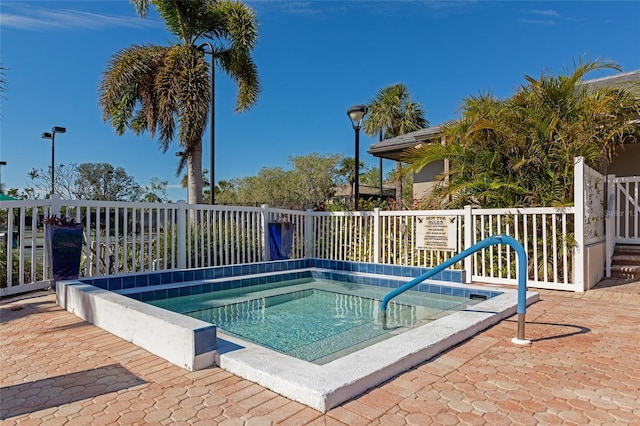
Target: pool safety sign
437 233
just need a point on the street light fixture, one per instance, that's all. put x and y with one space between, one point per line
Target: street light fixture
356 113
52 136
212 136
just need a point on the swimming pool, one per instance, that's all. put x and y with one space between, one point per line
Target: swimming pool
315 320
121 305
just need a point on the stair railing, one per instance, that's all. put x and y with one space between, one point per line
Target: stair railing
493 240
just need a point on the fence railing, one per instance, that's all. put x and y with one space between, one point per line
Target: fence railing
547 235
626 219
125 238
622 215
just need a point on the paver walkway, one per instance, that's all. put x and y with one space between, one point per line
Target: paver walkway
582 368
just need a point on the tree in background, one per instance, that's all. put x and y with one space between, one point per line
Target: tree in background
92 181
24 194
345 172
392 113
155 192
520 152
226 192
273 186
102 181
311 181
314 175
161 88
39 180
407 189
370 176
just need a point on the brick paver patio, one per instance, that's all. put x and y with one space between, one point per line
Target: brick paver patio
582 368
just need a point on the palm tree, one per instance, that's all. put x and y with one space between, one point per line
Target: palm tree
520 152
165 89
346 169
392 113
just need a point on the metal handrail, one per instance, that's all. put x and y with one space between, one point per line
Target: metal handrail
493 240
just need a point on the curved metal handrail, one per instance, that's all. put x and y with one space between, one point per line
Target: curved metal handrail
493 240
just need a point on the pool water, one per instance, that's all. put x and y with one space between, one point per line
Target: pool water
315 320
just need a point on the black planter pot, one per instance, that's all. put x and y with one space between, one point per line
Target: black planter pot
64 246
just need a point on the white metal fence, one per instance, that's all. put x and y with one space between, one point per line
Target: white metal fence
125 238
626 205
547 235
622 215
138 237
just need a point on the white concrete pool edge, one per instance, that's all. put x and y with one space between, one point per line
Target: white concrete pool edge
323 387
179 340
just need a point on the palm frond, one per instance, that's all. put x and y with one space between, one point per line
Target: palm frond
394 113
128 83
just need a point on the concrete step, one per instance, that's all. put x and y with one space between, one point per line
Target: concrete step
625 259
625 271
627 249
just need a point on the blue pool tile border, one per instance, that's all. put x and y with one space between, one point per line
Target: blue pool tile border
193 289
291 270
151 279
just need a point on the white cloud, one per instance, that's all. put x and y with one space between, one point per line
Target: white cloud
327 7
538 22
548 12
42 19
547 17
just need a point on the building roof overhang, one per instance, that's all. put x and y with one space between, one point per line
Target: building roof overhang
393 148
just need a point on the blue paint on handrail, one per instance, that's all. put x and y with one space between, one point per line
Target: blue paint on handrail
493 240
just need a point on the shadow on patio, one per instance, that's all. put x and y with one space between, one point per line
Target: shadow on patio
55 391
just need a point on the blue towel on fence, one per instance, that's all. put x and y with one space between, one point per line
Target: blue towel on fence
280 240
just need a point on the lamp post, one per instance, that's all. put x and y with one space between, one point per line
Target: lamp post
105 178
212 136
52 136
356 113
2 163
380 171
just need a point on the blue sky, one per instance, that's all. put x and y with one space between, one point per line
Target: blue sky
315 59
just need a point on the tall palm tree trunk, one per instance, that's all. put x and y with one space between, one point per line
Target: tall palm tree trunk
194 173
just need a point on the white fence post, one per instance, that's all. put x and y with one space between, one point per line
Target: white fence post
376 235
610 223
56 202
54 209
468 242
578 223
308 234
266 255
182 235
